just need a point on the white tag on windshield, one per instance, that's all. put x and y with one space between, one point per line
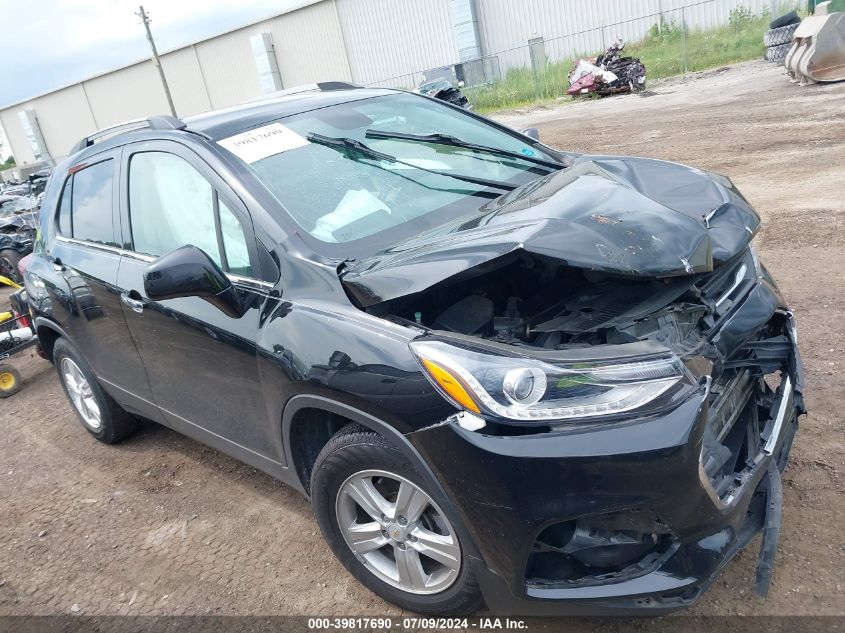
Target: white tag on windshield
267 140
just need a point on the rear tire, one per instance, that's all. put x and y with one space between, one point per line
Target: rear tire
101 416
9 265
357 459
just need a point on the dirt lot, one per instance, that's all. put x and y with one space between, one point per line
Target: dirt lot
161 524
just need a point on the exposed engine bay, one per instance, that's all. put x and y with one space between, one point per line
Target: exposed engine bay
525 299
541 302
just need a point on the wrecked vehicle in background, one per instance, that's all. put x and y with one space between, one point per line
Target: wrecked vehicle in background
18 223
609 73
445 90
551 382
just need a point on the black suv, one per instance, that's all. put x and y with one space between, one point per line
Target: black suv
557 383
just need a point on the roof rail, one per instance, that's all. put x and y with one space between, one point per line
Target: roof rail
324 86
161 122
336 85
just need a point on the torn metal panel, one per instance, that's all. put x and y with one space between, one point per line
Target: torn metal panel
771 532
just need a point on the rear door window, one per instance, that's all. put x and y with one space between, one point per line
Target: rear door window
65 227
91 203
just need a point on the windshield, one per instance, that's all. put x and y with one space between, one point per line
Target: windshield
340 195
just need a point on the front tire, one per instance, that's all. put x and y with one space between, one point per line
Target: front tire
387 527
101 416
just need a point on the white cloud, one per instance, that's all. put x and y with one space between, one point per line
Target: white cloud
58 42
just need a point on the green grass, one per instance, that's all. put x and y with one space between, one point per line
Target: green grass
661 52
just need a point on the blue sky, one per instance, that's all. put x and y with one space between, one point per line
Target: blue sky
47 44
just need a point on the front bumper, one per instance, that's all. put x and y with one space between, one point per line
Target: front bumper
643 476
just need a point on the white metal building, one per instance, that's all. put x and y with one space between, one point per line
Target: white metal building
367 42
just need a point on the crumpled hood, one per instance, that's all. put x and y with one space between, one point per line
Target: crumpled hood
630 216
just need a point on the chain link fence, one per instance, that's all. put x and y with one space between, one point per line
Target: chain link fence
669 42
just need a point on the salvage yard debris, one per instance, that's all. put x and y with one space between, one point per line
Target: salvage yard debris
609 73
778 39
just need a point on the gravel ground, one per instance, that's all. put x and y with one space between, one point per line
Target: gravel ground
163 525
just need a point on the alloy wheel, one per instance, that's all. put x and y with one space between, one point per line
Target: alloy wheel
397 532
81 394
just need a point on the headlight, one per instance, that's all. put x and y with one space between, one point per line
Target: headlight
565 386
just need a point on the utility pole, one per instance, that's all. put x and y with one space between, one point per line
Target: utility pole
146 20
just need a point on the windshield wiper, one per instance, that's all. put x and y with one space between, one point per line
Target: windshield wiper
350 144
447 139
354 145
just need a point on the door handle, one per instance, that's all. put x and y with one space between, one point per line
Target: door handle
137 305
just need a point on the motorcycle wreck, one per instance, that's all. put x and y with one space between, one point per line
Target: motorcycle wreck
609 73
445 90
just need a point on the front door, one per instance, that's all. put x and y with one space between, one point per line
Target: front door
202 363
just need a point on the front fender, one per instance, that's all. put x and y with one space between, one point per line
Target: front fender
400 441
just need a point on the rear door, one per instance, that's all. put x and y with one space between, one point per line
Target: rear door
86 257
202 363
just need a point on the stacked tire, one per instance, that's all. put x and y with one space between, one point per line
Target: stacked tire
778 39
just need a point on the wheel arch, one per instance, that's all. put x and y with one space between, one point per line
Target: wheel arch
303 408
48 333
292 417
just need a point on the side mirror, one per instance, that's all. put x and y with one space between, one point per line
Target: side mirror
532 132
189 272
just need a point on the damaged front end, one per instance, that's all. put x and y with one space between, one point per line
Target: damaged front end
616 312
